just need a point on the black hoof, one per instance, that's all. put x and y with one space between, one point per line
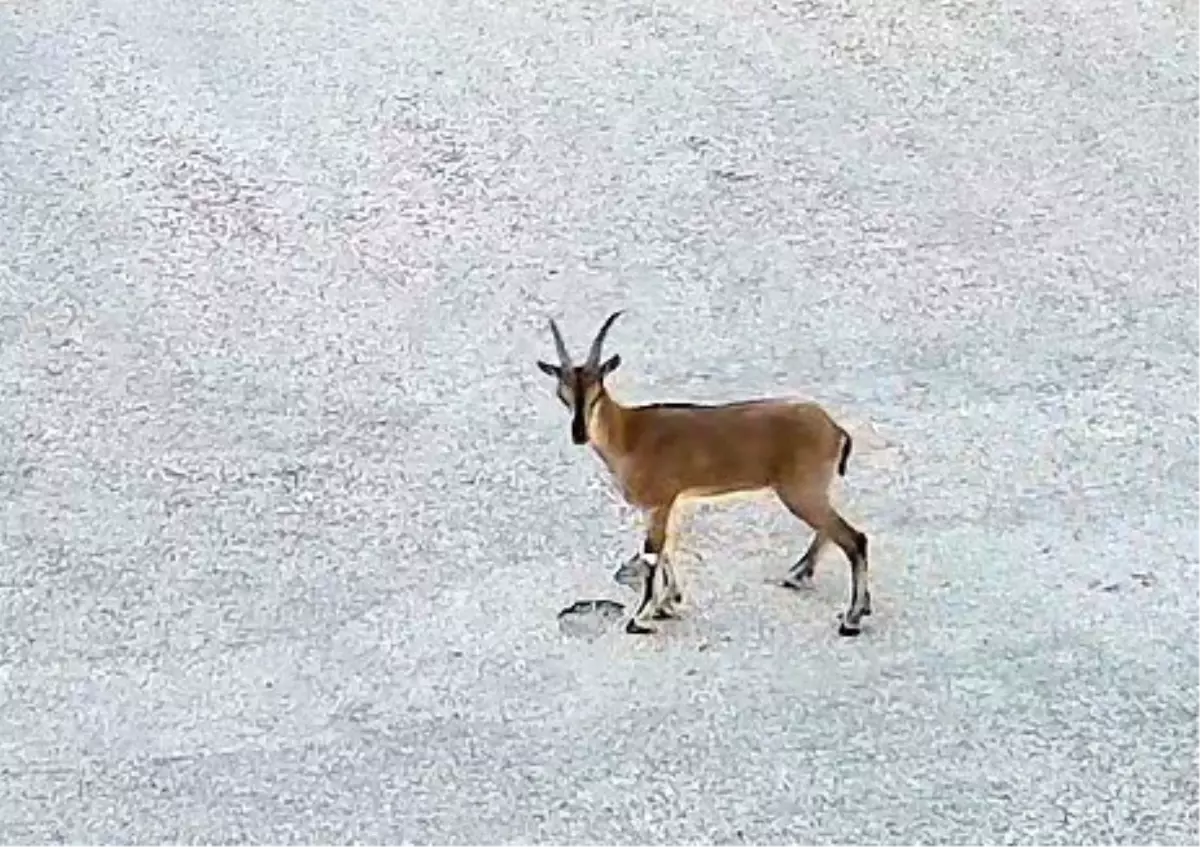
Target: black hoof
796 584
663 615
849 630
635 628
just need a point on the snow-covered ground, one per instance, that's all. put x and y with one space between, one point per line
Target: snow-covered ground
288 512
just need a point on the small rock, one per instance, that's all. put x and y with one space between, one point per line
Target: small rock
589 618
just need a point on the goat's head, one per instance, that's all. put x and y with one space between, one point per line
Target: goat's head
581 386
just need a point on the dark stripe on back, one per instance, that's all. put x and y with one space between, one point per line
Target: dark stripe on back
681 406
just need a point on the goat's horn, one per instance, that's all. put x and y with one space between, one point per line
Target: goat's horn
597 345
563 355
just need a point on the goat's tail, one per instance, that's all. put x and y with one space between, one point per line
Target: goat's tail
847 446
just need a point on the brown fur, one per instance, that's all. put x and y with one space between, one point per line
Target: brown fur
659 453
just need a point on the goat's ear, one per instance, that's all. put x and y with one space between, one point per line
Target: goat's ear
610 366
549 369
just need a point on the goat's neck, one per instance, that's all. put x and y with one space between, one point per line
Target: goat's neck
607 428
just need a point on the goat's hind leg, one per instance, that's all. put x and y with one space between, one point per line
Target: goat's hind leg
854 545
812 507
811 510
801 574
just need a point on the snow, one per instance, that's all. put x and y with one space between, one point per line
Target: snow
289 512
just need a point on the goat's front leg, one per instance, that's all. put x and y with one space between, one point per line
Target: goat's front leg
658 579
671 595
